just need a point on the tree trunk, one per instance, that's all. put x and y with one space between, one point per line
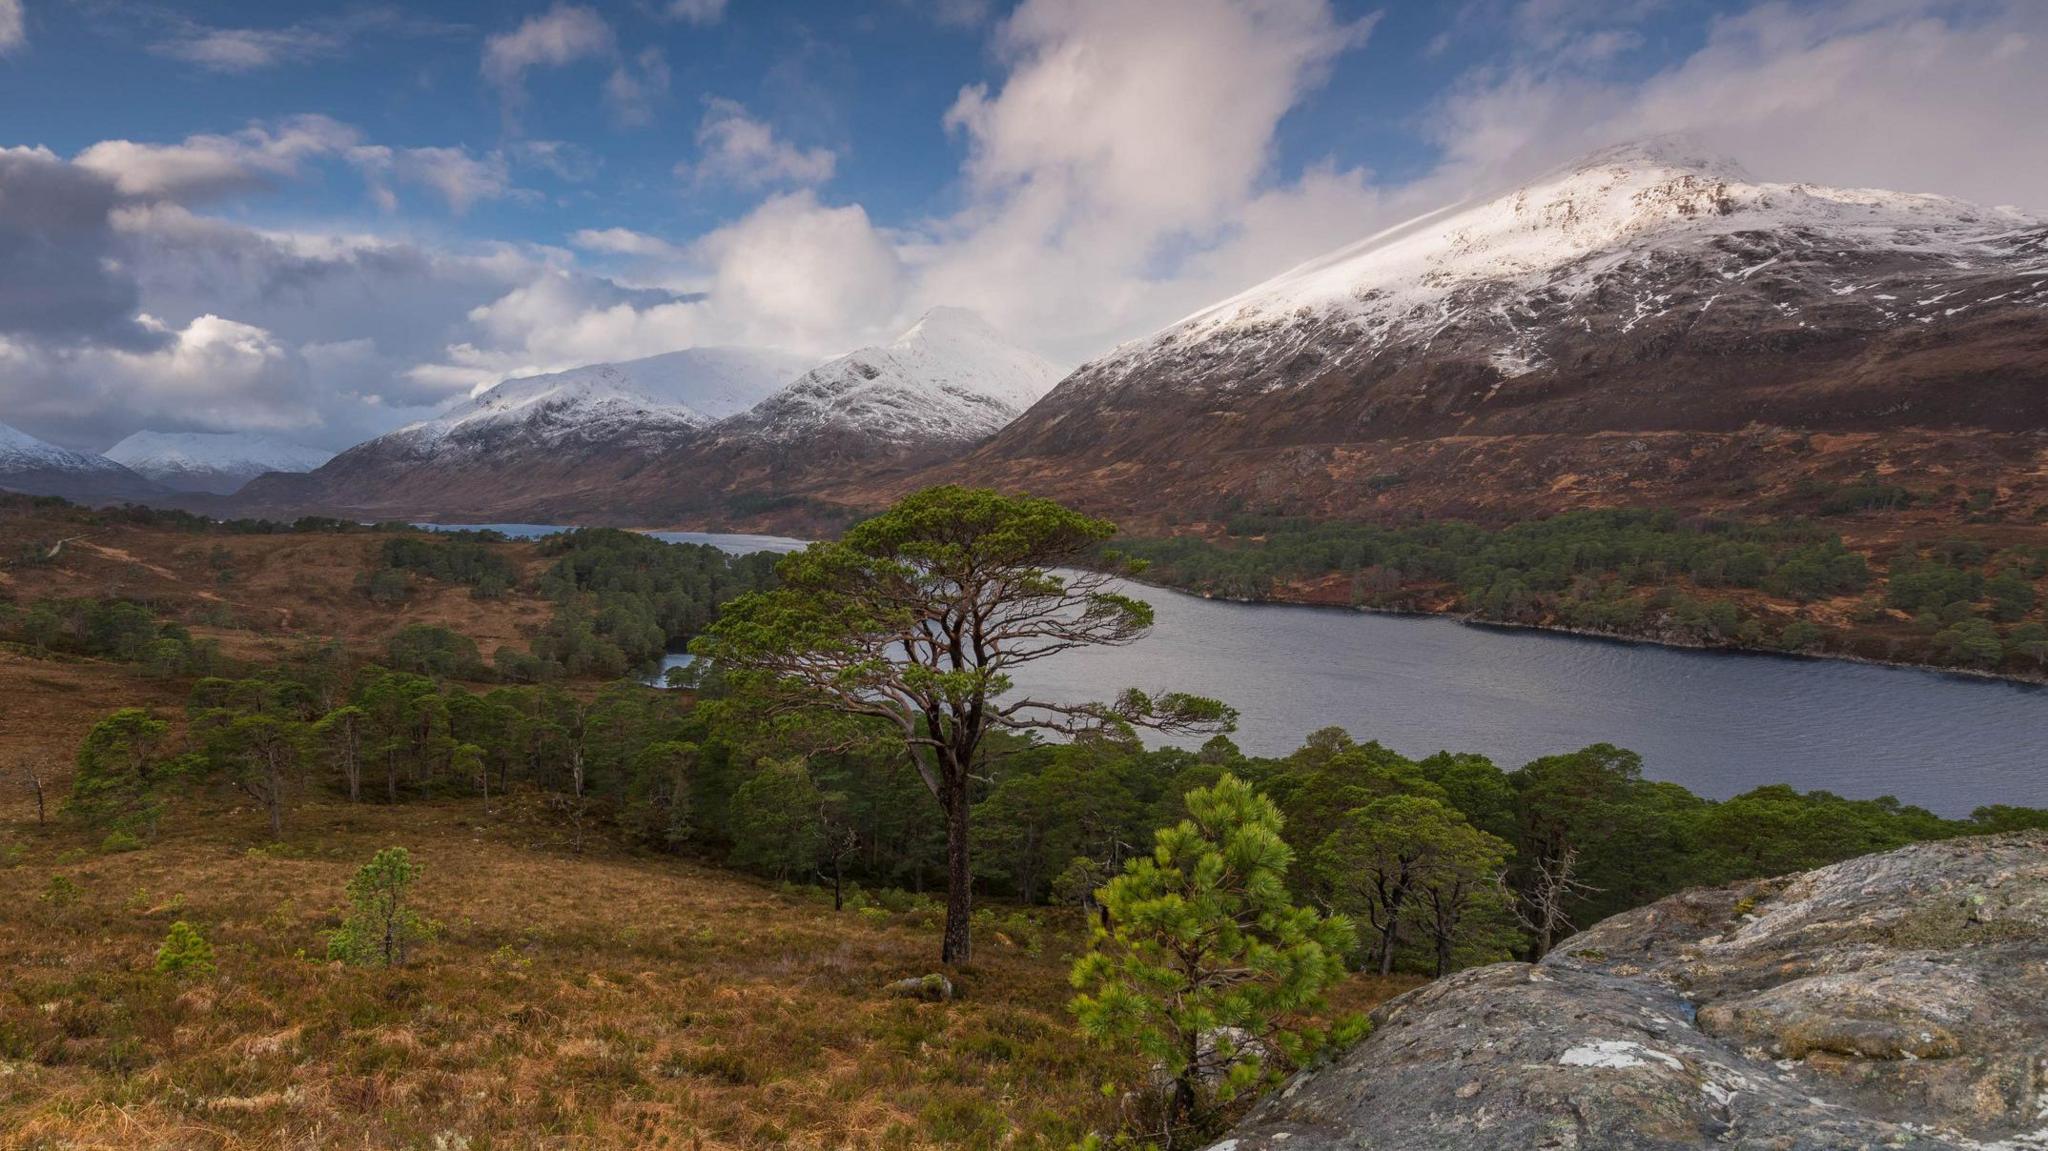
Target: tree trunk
1392 933
958 948
273 795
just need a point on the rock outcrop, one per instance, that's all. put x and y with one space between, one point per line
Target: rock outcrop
1893 1001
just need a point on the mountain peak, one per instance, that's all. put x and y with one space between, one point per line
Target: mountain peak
950 376
1679 150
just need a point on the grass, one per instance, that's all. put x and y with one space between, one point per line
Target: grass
592 1001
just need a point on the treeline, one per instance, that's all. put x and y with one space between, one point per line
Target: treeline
1442 861
1645 573
622 600
122 630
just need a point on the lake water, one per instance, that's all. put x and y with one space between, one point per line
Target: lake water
1717 722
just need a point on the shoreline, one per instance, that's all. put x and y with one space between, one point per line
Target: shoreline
1468 619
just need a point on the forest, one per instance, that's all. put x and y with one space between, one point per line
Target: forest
1786 584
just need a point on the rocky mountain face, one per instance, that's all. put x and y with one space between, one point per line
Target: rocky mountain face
40 468
687 436
1897 1000
219 463
1644 325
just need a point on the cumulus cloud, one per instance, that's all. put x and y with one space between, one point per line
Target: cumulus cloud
206 166
451 173
624 242
58 280
737 149
13 26
1911 94
558 37
1124 138
569 34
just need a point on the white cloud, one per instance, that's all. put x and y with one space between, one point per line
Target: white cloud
635 85
13 26
814 273
737 149
1125 138
457 177
696 11
236 50
248 49
1918 95
624 242
205 166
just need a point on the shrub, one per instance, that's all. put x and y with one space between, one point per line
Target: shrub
185 952
380 930
1208 962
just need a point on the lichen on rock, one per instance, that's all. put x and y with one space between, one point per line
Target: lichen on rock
1896 1001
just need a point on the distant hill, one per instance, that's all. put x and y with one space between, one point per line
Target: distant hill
692 435
219 463
39 468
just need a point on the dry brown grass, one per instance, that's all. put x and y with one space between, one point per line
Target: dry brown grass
589 1001
601 1000
279 591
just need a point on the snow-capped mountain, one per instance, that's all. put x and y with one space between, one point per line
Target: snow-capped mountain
660 395
216 462
950 378
40 468
1643 290
686 436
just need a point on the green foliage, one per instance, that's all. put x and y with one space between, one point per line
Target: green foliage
119 779
778 828
1207 965
427 649
915 622
1411 860
1631 572
466 558
112 629
623 599
185 952
381 929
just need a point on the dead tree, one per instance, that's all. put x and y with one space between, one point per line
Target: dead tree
1544 909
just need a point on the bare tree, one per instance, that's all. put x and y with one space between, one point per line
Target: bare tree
35 786
1542 910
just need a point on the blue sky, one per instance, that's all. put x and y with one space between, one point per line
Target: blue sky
324 219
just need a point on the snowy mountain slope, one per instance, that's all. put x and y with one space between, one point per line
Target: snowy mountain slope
625 443
950 378
38 467
1641 290
219 462
1616 216
661 395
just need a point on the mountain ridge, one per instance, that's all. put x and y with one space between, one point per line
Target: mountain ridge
40 468
1628 329
219 463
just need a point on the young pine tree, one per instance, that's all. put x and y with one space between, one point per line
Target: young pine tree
381 930
185 952
1206 967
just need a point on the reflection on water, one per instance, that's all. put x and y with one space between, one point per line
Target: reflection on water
1719 723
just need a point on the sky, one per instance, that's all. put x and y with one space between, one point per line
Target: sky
324 220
